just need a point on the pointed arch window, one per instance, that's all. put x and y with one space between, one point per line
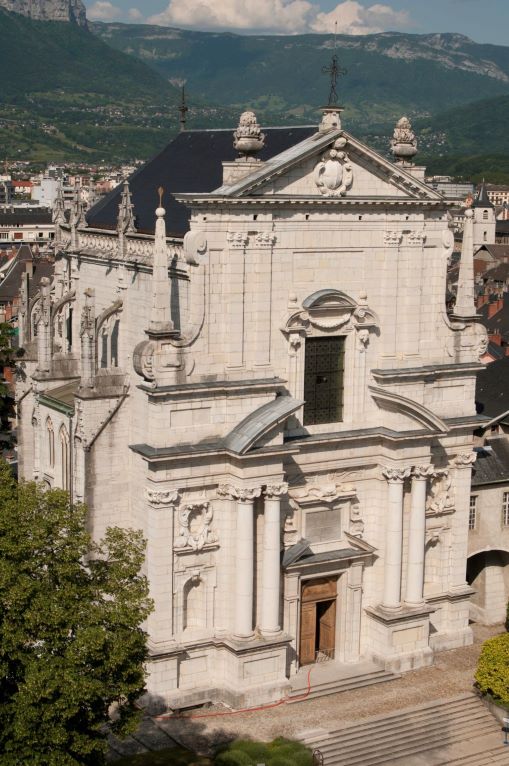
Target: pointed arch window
50 433
64 457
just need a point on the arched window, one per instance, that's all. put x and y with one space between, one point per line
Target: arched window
485 236
64 456
108 342
485 215
51 443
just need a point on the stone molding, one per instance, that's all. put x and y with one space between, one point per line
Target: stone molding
396 475
241 494
441 501
333 175
275 491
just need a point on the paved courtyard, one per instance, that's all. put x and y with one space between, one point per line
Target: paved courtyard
451 675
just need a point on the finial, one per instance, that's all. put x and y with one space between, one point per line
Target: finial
248 139
404 142
183 109
160 212
335 71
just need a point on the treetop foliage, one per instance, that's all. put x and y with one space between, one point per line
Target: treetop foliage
71 643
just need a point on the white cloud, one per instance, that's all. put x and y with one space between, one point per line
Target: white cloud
286 16
103 10
134 14
354 19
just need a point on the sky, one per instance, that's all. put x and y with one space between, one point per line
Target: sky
485 21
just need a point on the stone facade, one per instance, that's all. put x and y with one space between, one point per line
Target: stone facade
277 530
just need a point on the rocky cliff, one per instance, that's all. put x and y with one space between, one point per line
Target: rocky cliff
72 11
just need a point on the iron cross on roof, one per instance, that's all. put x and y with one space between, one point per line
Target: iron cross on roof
335 71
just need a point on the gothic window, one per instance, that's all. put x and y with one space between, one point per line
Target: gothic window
104 348
323 380
51 442
114 343
64 457
69 330
108 342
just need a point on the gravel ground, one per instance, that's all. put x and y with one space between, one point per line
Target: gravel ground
451 675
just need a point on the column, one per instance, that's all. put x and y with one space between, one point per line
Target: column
161 505
44 328
394 537
244 581
417 536
271 562
462 463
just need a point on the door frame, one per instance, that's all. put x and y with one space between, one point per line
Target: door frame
319 590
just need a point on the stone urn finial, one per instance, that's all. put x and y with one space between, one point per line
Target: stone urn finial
248 139
403 142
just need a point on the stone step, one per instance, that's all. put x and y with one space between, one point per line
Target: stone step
341 685
382 722
388 750
494 757
415 737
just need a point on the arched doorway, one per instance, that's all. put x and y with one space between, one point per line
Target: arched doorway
488 574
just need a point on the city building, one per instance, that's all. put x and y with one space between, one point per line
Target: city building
245 352
21 223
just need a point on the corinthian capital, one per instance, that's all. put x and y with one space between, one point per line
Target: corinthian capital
273 491
423 471
465 459
241 494
396 475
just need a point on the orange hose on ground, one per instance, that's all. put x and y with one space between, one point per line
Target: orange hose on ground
284 701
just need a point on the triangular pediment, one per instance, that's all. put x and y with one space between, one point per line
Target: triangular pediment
330 165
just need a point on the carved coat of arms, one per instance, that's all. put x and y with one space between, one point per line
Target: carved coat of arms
334 175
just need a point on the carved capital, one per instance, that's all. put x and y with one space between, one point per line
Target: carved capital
241 494
396 475
237 239
275 491
265 239
392 238
160 497
465 459
422 472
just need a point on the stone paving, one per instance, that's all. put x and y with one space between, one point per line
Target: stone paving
451 675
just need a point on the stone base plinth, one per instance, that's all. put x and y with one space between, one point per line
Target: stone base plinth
400 639
238 674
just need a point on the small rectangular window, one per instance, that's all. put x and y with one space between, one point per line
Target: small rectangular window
323 380
472 513
505 509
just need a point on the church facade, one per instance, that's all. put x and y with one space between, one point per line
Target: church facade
269 386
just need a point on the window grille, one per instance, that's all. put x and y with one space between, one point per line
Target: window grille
323 380
505 509
472 513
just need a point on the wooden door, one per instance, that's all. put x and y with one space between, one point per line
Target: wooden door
307 633
327 628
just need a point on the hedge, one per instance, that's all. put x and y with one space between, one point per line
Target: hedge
492 675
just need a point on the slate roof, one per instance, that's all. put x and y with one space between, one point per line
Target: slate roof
492 389
499 322
21 217
492 464
498 273
11 284
499 252
481 198
191 163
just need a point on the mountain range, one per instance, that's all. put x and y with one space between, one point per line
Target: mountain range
110 90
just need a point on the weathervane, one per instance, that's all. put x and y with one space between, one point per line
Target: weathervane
335 71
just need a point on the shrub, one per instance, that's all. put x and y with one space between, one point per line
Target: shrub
492 675
281 752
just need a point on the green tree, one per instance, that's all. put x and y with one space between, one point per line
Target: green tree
7 359
492 675
71 643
